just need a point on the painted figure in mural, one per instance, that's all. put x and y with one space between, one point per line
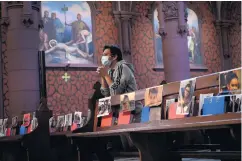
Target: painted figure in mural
58 27
43 41
55 46
48 25
77 26
87 38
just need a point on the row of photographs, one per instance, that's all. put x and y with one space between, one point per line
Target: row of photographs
229 83
67 120
29 122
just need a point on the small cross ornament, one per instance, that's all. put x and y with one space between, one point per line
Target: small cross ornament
66 77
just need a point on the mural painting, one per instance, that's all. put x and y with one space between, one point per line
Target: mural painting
193 38
67 34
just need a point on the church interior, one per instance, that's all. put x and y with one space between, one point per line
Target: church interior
52 65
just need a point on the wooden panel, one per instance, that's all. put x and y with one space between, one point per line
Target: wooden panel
190 123
202 82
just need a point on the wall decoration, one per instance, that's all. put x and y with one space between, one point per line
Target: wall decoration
194 43
67 34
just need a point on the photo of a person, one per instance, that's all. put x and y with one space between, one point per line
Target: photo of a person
127 102
53 122
15 121
230 82
26 120
68 119
60 121
77 118
104 107
153 96
185 96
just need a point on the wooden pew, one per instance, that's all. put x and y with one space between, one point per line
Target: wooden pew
34 146
151 138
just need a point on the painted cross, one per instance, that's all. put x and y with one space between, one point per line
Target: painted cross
66 77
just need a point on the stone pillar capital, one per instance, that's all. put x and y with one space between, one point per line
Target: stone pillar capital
170 10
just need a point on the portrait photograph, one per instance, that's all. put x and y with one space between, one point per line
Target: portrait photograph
26 120
104 107
230 81
186 92
15 121
68 119
77 118
67 34
53 122
127 102
153 96
235 103
61 121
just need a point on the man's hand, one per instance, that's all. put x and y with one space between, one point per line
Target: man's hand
102 71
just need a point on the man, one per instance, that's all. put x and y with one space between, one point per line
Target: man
77 26
58 27
48 26
117 76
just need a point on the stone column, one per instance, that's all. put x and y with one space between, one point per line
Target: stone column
222 27
123 17
173 30
22 55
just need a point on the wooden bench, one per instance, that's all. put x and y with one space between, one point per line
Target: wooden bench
155 140
33 146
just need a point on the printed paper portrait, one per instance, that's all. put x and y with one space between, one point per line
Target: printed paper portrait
127 102
15 121
60 121
77 118
68 119
104 107
230 81
186 92
53 122
26 120
153 96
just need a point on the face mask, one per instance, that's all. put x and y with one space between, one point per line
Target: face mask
105 61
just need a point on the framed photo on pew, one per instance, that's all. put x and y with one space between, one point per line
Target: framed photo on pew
127 105
153 99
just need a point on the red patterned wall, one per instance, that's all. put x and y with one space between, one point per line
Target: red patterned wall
235 35
64 97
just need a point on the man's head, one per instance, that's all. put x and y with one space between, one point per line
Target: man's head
232 82
79 16
111 55
46 14
53 15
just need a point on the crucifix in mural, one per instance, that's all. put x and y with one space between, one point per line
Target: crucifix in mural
67 34
193 39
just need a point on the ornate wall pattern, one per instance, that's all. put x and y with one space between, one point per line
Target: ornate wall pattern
65 97
235 35
142 49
